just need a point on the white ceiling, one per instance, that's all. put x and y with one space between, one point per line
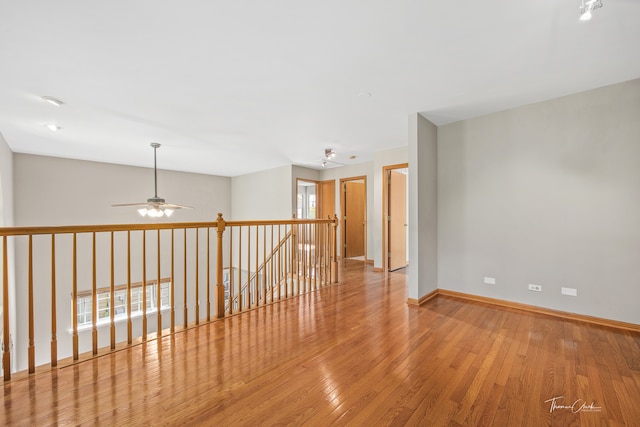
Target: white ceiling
232 87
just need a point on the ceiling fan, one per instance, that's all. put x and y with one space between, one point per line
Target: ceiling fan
155 207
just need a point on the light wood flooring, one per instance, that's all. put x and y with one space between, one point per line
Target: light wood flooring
351 354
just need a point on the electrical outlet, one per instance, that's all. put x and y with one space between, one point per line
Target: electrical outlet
569 291
535 288
490 280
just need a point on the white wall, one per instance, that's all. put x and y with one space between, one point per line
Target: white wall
265 195
546 194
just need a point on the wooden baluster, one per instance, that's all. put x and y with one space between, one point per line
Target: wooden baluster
129 324
54 320
219 284
6 343
264 264
304 260
184 283
334 255
208 276
94 297
172 288
249 294
158 291
271 265
32 353
74 298
255 281
314 228
197 290
231 276
327 258
144 285
240 298
279 270
112 299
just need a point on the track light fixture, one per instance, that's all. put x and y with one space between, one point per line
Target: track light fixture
329 153
586 6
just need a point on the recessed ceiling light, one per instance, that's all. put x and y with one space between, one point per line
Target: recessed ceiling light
53 128
53 101
364 94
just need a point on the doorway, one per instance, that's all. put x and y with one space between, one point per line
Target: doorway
354 217
315 199
394 213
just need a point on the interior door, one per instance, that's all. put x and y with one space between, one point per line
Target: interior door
397 220
327 199
354 222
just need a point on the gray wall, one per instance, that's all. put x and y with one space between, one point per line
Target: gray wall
423 213
547 194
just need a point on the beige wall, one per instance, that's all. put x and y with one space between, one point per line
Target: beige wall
6 220
264 195
54 191
546 194
360 169
381 159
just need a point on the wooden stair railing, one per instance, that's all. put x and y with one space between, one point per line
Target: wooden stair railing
158 268
253 277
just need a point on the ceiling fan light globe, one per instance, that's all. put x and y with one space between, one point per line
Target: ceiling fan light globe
168 212
586 16
142 211
155 213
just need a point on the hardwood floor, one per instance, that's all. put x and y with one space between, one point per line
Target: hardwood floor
354 353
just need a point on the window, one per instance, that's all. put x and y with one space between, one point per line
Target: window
120 302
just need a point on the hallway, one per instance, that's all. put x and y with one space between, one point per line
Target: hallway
353 353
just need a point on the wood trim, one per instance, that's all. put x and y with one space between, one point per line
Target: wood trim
122 287
423 299
377 270
37 230
368 261
540 310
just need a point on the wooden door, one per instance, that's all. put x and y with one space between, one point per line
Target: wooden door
354 220
397 220
327 197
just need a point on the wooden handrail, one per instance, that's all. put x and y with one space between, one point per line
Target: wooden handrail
79 262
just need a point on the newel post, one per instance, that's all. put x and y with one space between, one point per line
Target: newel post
219 285
334 255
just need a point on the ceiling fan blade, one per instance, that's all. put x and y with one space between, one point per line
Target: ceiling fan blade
155 202
172 206
118 205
